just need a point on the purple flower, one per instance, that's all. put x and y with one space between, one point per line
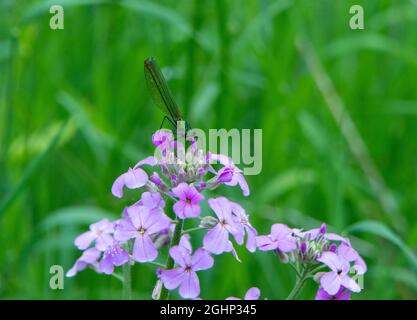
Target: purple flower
100 232
217 239
113 256
141 223
152 200
313 234
252 294
303 248
184 275
342 294
351 255
132 179
281 238
338 276
162 137
230 175
244 225
224 175
88 257
187 206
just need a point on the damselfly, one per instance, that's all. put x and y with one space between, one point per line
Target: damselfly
161 94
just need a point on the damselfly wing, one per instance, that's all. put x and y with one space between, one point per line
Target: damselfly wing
160 92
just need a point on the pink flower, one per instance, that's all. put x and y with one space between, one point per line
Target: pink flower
242 221
100 232
188 204
217 238
342 294
140 223
132 179
230 175
338 276
184 275
281 238
252 294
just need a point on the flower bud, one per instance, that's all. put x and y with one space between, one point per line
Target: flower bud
156 179
225 176
333 247
162 137
156 293
282 256
208 222
323 229
318 276
161 240
303 248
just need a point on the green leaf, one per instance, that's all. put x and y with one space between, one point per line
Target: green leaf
287 180
77 215
152 9
380 229
32 167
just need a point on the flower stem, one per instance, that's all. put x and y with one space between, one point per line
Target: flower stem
192 230
127 282
170 262
299 283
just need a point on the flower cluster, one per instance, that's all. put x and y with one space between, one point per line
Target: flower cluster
180 177
311 251
172 196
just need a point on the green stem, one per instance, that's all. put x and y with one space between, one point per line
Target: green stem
127 282
299 283
192 230
170 262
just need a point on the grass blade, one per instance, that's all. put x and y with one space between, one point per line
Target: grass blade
380 229
30 170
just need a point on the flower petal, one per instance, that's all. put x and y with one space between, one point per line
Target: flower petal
349 283
181 190
132 179
190 286
243 184
106 265
216 240
251 238
172 278
191 210
253 294
331 260
265 243
330 282
84 240
152 200
156 222
150 161
221 208
185 242
180 255
144 249
201 260
124 230
179 209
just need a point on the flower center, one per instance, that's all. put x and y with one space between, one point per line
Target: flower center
187 269
141 231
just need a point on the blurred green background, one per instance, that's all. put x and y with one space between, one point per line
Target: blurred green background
338 109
